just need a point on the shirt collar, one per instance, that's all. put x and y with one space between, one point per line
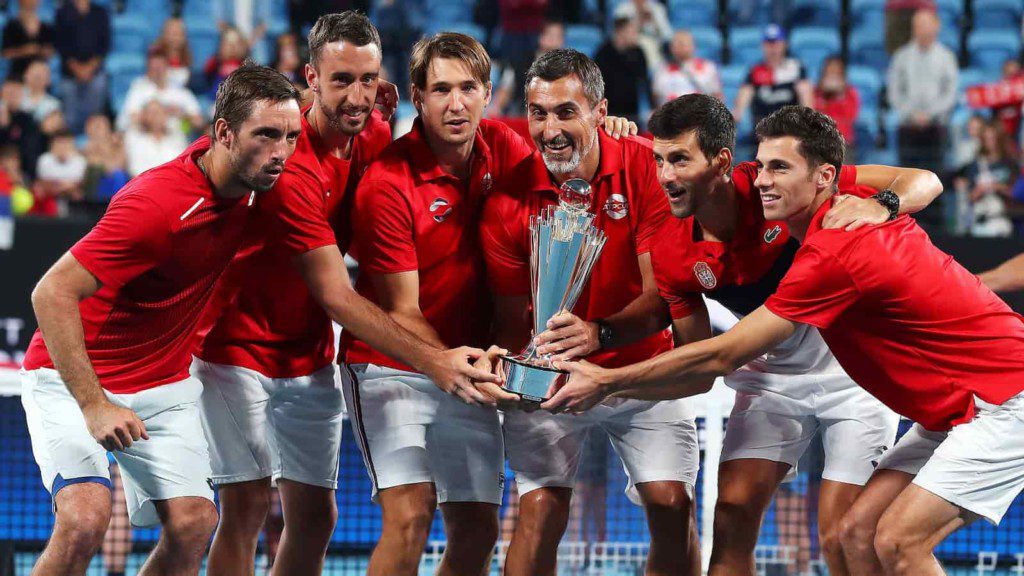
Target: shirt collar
424 161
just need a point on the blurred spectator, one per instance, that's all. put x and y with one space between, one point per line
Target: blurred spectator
987 184
775 82
18 127
59 176
400 23
898 16
173 42
621 58
252 23
838 99
1010 114
655 29
82 37
181 105
21 196
107 161
287 60
26 38
510 96
231 52
686 73
967 142
151 143
38 101
520 22
922 88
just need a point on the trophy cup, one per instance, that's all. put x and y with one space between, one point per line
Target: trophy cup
565 245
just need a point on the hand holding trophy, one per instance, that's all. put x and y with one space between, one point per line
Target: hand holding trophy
565 245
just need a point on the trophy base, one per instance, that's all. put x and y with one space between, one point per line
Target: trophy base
528 380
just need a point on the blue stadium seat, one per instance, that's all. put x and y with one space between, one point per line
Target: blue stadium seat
203 43
950 37
862 10
131 33
868 83
758 16
154 11
197 9
745 46
125 63
990 48
444 14
692 13
708 43
584 37
816 13
813 45
732 78
867 48
972 76
464 27
997 14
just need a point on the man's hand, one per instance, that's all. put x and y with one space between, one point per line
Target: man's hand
387 99
113 426
491 362
850 213
452 371
585 387
568 337
618 127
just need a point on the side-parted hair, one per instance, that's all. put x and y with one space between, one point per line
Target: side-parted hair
560 63
703 114
247 85
348 26
448 45
820 139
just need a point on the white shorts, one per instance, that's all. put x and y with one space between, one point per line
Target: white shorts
410 431
173 463
978 466
656 441
261 427
856 429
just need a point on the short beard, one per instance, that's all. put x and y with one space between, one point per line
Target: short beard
563 167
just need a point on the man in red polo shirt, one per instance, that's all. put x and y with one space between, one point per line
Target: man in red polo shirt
271 409
909 325
619 320
118 314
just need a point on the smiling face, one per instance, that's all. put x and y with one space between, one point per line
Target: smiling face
262 143
562 122
344 80
452 101
686 175
787 183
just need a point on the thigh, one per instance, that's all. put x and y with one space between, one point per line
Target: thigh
233 412
64 449
654 451
750 483
467 453
876 497
175 461
544 449
912 451
390 413
305 419
854 445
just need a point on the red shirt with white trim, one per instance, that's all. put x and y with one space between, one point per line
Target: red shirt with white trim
159 253
629 206
740 273
274 325
411 215
907 322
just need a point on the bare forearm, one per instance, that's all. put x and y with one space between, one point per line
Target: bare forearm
645 315
1007 277
61 324
685 371
916 189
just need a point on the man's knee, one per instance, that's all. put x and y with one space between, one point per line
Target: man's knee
856 533
665 496
410 524
545 509
472 524
896 546
190 521
733 515
81 525
245 505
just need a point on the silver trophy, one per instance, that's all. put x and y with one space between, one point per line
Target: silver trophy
565 245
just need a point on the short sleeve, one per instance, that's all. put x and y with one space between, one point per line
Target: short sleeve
508 148
296 212
132 237
652 207
681 303
505 252
383 229
816 290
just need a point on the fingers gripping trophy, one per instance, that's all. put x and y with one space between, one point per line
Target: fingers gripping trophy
565 245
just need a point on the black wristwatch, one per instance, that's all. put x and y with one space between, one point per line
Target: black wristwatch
890 201
604 334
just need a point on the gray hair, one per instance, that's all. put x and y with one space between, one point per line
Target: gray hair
565 61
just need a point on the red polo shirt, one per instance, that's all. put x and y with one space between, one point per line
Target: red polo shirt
410 215
629 206
907 322
274 325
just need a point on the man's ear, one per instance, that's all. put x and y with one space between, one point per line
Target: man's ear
222 133
723 162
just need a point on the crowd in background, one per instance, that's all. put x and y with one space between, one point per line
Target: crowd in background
69 140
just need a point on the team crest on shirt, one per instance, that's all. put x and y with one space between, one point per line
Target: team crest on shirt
616 207
772 233
705 276
440 209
